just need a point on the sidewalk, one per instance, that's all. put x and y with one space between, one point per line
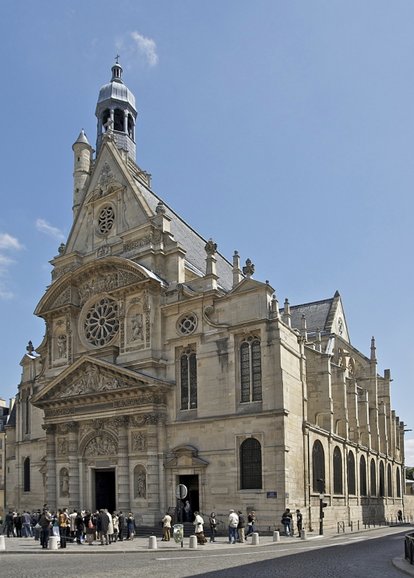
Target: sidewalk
141 545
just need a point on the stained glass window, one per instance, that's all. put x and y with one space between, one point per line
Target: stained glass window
26 475
363 476
318 468
188 379
251 465
337 471
351 474
250 370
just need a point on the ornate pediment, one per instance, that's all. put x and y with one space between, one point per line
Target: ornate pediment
90 377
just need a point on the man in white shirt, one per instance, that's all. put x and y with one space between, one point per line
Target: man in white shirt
233 523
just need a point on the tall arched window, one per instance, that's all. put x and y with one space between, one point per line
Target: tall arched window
250 370
250 465
363 476
373 476
26 475
389 481
188 379
337 471
398 483
381 479
351 473
318 468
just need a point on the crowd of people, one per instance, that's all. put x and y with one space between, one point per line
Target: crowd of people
80 526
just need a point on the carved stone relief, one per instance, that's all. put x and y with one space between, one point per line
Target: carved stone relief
90 380
138 441
101 445
62 446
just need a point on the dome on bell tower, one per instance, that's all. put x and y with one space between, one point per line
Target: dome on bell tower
116 113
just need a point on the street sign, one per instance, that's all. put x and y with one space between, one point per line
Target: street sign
181 491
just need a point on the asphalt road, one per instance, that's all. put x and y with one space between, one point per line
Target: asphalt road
356 556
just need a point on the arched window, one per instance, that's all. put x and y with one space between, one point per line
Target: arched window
373 473
337 471
188 378
119 120
398 483
381 479
251 465
250 370
351 474
318 468
389 481
363 476
26 475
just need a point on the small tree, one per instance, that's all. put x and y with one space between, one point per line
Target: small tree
409 473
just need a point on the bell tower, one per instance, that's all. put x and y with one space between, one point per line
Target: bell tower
116 113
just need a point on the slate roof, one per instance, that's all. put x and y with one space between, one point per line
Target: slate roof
316 314
192 242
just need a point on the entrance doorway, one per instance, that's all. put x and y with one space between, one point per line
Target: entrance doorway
105 489
193 496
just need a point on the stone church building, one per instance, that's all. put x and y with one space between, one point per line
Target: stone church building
163 362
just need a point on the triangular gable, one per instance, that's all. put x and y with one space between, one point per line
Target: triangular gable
111 181
326 316
250 284
89 376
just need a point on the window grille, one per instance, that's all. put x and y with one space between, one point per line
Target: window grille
251 370
188 379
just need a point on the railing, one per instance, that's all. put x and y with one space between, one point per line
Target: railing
409 547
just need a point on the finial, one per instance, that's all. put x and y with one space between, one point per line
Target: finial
210 247
248 270
160 208
373 350
117 57
30 348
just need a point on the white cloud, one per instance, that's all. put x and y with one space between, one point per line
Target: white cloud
137 44
9 242
44 227
409 452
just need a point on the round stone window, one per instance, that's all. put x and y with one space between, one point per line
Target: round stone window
187 324
101 322
106 220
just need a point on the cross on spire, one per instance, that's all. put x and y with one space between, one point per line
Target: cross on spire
117 57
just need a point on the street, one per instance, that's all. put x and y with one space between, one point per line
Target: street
366 555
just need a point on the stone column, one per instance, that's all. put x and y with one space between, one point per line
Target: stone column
51 482
73 459
122 472
161 439
153 480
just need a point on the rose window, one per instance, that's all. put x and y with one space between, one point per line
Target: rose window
187 324
106 220
101 322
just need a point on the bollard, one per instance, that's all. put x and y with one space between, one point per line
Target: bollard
276 536
2 543
53 542
303 534
152 543
193 542
255 539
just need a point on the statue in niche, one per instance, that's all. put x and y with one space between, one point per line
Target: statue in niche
64 482
140 484
137 327
62 346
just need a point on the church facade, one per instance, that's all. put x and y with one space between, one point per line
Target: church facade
164 363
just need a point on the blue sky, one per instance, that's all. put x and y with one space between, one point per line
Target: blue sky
284 130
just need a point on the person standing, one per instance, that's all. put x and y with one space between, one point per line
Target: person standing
287 521
299 522
63 524
130 526
240 527
213 526
115 523
199 528
166 527
251 521
44 522
103 525
122 526
233 523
